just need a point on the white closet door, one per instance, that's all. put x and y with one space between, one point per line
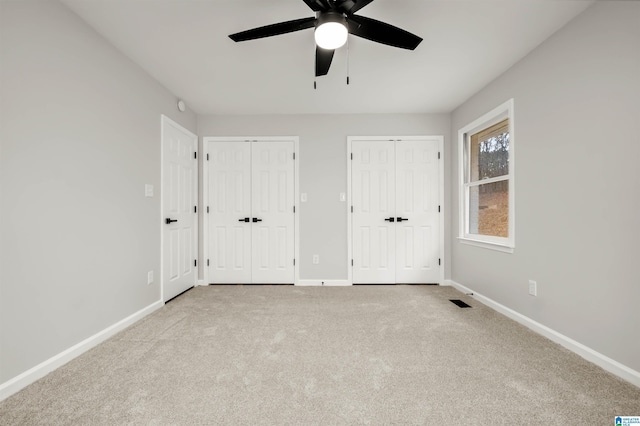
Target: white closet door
272 212
229 202
373 199
417 237
179 198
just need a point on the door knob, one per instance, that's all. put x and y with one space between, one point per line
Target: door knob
246 219
390 219
401 219
168 220
255 219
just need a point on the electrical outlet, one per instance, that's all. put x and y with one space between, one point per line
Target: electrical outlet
148 190
149 277
316 259
533 288
303 197
343 196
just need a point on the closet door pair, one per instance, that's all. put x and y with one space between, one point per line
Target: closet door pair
395 219
250 212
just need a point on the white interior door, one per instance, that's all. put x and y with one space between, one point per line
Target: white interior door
273 216
229 212
251 219
395 220
417 221
373 200
179 201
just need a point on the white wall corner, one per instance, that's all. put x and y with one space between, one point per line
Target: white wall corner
602 361
202 283
21 381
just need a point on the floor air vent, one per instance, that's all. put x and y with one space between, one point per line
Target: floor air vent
459 303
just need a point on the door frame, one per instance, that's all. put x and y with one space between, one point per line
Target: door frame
296 194
164 122
440 140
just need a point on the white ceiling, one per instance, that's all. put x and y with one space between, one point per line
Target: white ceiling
184 45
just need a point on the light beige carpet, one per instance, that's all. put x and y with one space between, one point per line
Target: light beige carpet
325 355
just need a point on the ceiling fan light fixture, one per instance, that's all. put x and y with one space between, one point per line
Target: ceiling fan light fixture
331 31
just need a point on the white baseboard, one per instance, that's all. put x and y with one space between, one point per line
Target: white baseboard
201 283
326 283
603 361
14 385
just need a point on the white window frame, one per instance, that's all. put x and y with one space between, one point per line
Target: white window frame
496 115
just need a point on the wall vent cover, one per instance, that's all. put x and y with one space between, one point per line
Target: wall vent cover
459 303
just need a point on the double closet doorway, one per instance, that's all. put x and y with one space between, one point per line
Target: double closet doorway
396 207
250 218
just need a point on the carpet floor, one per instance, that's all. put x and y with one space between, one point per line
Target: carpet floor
284 355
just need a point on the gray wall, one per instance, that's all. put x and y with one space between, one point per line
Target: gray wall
577 149
79 138
323 170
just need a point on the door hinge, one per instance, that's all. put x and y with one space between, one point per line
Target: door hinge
352 155
438 155
195 209
207 262
294 155
294 209
195 155
195 262
294 262
439 261
207 157
351 209
438 209
351 262
207 209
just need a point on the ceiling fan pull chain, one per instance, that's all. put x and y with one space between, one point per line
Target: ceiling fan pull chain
347 61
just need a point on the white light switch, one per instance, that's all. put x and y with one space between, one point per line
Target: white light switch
303 197
149 277
148 190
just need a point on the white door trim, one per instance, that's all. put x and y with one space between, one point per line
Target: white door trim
350 140
166 121
296 193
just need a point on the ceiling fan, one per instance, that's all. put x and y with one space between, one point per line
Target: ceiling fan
334 21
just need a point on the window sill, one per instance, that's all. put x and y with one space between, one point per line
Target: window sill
484 244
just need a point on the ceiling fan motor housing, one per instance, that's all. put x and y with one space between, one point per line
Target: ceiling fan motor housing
331 16
331 30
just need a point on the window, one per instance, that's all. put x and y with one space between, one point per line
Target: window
486 180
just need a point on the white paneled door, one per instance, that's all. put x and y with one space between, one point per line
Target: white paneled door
272 225
373 199
179 204
229 211
395 221
251 219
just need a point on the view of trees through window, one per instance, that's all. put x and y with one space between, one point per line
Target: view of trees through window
493 158
489 202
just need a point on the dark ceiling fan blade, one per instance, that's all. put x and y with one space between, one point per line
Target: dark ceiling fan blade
382 32
318 5
352 6
323 60
274 29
